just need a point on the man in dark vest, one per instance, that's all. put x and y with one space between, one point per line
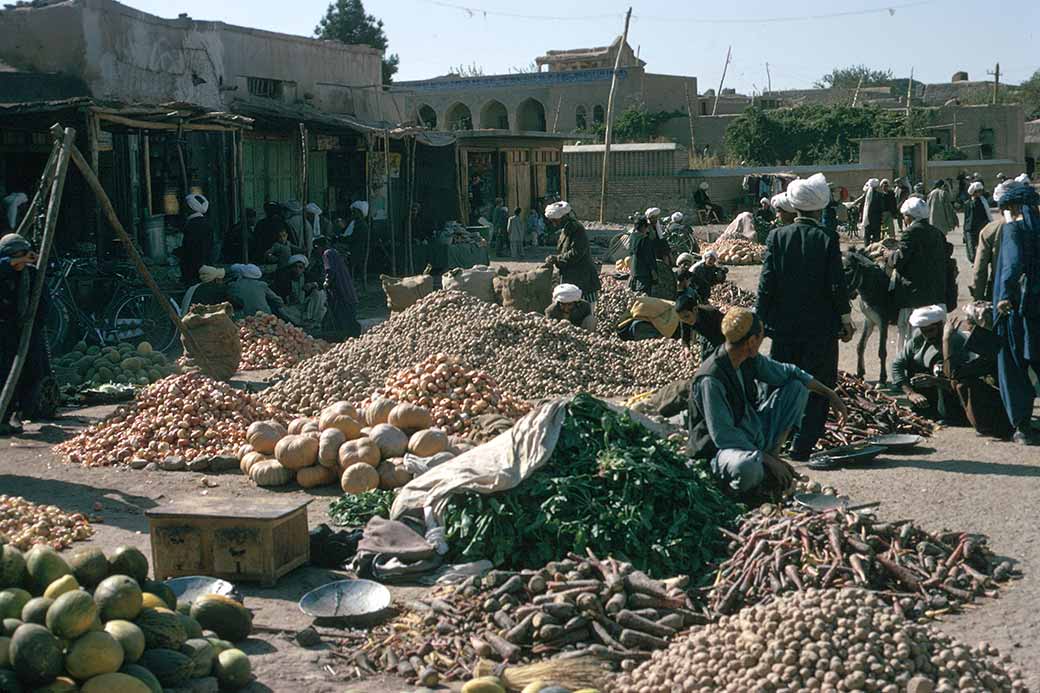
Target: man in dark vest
731 425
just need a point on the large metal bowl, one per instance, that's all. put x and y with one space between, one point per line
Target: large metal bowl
191 587
897 442
346 599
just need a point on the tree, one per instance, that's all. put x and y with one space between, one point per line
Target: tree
849 77
634 124
1029 93
471 70
346 21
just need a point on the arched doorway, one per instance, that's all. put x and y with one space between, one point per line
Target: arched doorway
530 115
494 116
597 115
458 117
580 118
427 116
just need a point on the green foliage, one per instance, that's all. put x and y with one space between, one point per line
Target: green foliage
849 77
346 21
357 509
1029 93
812 134
634 124
471 70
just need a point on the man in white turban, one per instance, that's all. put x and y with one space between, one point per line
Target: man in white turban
976 216
573 253
920 265
210 291
804 301
764 216
873 204
941 213
785 211
702 201
685 261
253 294
677 227
653 217
568 305
305 301
312 226
197 247
12 206
918 368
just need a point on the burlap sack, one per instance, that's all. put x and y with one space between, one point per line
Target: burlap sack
216 336
403 292
478 281
529 291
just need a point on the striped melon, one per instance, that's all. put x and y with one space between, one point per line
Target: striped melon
170 667
93 654
71 614
161 628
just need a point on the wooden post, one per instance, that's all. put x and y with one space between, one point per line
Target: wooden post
715 108
855 94
909 105
241 168
556 117
45 178
147 154
185 189
57 185
389 202
610 120
689 111
368 222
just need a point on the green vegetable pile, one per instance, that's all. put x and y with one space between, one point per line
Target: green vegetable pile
92 366
612 486
355 510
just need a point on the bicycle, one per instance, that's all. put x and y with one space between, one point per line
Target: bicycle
132 313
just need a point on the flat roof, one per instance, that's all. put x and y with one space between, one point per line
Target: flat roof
631 147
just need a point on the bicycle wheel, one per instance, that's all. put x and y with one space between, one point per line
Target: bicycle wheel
57 324
140 317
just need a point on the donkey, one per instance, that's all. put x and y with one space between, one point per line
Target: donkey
870 282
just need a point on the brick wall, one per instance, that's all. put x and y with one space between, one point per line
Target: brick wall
624 196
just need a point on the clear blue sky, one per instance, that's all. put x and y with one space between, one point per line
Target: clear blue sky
936 37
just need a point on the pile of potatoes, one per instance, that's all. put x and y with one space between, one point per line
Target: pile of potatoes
738 251
270 342
361 450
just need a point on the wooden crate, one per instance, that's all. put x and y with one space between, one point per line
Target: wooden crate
254 540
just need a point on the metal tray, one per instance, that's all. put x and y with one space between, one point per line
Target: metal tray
190 588
897 441
822 502
346 599
852 453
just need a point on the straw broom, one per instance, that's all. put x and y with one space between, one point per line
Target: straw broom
570 672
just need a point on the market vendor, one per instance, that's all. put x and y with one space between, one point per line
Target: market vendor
918 368
970 363
341 318
642 257
17 275
198 238
657 318
685 261
305 301
573 254
568 305
254 295
653 217
210 291
707 273
703 202
765 215
678 227
731 425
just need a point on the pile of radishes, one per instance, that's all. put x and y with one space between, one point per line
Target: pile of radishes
270 342
188 415
454 394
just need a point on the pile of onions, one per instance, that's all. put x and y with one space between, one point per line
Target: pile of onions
453 393
188 415
24 523
270 342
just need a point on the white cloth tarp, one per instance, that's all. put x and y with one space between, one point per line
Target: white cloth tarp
743 226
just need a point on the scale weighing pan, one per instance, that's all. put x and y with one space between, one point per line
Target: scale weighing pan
852 453
346 599
822 502
897 441
192 587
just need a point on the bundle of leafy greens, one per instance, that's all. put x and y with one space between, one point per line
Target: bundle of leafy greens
611 486
355 510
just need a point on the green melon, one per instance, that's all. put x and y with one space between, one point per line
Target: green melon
105 374
126 560
233 669
129 636
9 682
44 566
114 357
12 601
118 596
169 666
62 684
115 683
36 655
10 625
66 583
163 591
93 350
71 614
161 628
35 610
12 567
93 654
202 654
89 565
5 652
220 645
144 676
192 628
224 616
145 348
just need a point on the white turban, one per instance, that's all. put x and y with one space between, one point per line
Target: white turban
312 208
780 201
764 200
974 188
557 210
704 185
677 218
711 254
810 194
566 293
1023 178
1001 175
250 271
928 315
685 257
11 204
871 183
208 274
302 259
197 203
914 207
885 181
361 206
976 175
1002 189
652 212
294 206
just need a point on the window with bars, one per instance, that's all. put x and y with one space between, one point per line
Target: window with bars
264 88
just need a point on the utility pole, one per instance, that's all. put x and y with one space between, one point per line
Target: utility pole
855 95
715 108
610 119
909 106
689 113
769 80
996 83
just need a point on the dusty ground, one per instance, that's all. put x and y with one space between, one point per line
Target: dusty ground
957 481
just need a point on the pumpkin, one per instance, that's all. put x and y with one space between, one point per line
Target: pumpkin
118 597
44 566
66 583
340 407
264 435
93 654
296 452
410 417
310 427
296 425
244 450
129 637
161 628
359 477
392 474
169 666
115 682
12 602
270 473
378 411
360 450
343 422
144 676
251 459
35 611
89 565
72 614
328 447
428 443
318 475
12 566
232 669
391 440
36 655
127 560
224 616
202 655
